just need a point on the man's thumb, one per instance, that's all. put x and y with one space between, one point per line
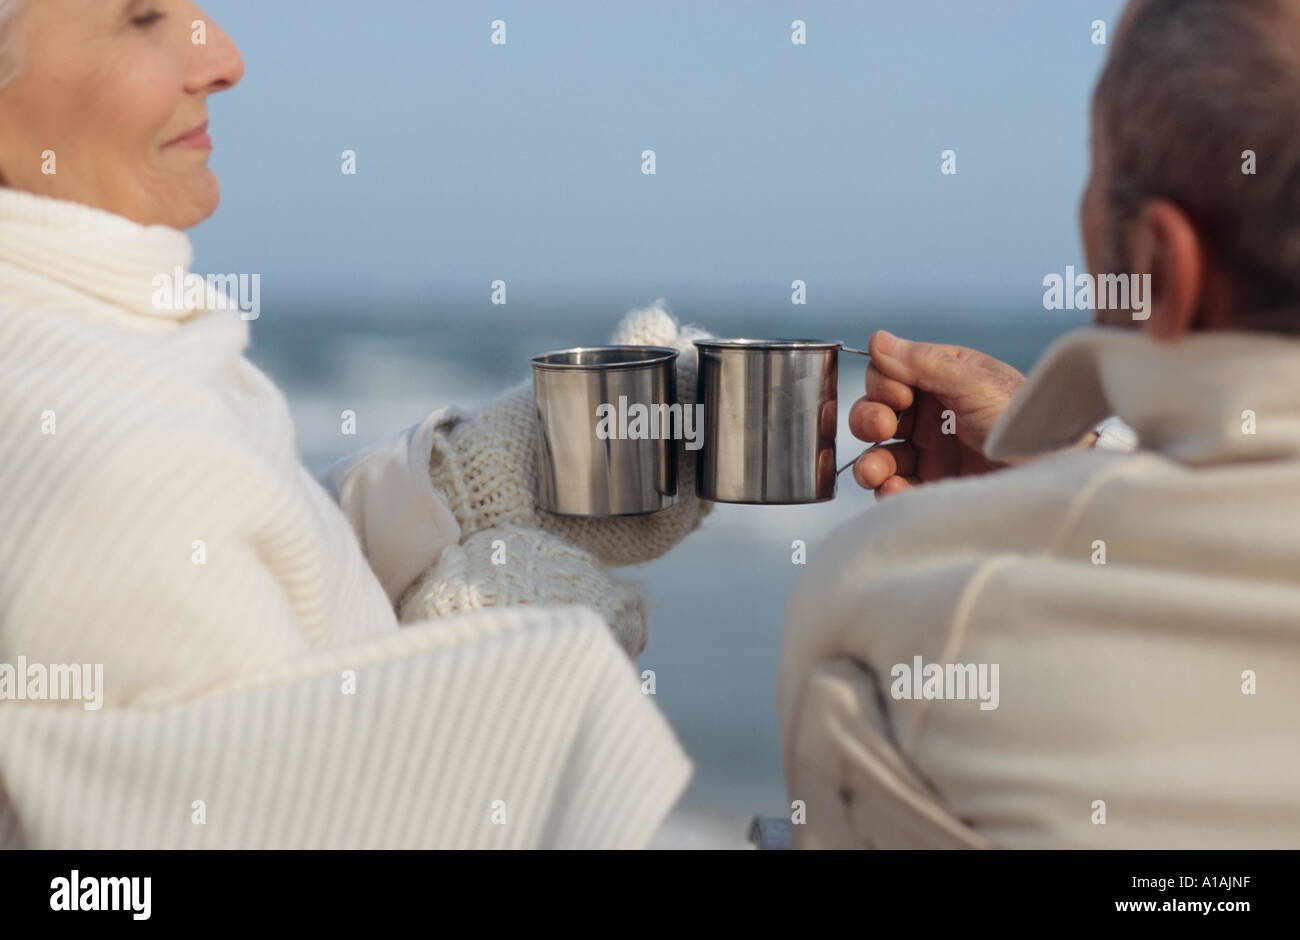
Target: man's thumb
931 367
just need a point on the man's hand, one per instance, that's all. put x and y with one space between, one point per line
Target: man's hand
941 402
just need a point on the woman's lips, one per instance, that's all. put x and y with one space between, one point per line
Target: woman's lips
196 139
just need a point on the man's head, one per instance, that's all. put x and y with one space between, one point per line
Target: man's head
1190 87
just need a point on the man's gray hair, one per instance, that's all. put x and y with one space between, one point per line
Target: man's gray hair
1190 87
9 51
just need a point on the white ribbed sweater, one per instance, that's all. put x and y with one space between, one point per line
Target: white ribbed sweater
1142 610
226 683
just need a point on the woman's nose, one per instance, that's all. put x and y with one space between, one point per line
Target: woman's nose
215 64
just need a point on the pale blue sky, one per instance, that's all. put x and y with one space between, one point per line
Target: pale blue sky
775 161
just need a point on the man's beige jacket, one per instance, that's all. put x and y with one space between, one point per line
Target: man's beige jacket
1142 610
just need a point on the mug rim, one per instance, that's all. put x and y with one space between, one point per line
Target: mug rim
649 356
768 344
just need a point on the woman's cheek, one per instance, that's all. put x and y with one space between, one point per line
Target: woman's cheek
141 102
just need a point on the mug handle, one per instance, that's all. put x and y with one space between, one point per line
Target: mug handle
857 352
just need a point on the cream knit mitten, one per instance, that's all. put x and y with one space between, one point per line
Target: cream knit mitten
514 564
485 465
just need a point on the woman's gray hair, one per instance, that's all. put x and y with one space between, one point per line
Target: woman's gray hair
9 52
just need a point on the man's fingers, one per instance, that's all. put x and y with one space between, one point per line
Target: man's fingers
872 422
906 424
887 391
896 485
877 465
930 367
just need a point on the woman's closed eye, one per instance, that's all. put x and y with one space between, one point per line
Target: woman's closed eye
148 19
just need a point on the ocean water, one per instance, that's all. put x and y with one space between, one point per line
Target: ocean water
718 600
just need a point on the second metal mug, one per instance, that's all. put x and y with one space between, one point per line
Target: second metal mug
584 472
770 417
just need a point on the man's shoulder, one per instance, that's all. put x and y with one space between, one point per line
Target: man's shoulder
1017 509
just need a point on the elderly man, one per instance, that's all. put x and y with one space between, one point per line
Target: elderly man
1045 643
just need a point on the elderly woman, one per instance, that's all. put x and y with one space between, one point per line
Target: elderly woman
155 521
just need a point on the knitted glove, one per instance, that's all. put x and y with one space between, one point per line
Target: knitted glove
485 466
517 565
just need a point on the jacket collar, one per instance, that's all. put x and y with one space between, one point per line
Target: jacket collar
1192 399
94 252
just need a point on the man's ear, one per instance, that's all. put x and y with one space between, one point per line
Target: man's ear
1164 243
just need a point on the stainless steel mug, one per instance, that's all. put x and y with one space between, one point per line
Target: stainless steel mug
606 441
769 420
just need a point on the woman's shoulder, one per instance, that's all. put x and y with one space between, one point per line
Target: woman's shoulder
65 349
66 376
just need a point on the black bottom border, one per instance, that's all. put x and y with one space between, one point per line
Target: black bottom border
662 890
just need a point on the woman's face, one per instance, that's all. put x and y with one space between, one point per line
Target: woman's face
117 91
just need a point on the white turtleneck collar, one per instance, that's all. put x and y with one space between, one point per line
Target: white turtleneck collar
1206 398
106 256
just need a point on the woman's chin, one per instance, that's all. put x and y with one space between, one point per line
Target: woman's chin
179 204
211 198
196 204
